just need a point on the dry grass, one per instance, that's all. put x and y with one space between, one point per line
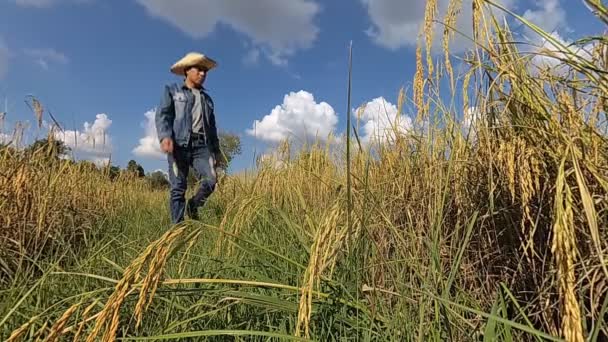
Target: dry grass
48 203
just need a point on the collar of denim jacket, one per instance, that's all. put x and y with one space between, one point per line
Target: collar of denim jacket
202 89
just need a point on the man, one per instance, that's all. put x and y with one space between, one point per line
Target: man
185 123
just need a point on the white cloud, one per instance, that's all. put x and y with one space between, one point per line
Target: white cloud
549 16
4 55
397 23
551 58
44 57
93 141
470 123
149 146
277 27
299 117
100 161
380 121
252 57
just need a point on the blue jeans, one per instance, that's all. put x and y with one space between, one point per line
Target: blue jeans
197 155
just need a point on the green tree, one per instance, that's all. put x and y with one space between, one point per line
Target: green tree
135 168
158 180
50 147
114 172
230 145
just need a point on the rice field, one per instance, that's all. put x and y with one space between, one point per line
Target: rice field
487 221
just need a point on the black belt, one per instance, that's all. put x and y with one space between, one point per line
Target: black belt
198 136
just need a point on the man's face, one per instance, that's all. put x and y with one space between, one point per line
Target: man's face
196 75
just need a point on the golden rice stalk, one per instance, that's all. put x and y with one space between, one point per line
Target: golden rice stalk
360 112
400 101
329 239
112 307
465 91
507 156
590 213
38 111
241 216
450 22
17 334
476 19
429 16
419 84
110 315
150 282
564 249
57 328
85 316
221 239
191 243
40 332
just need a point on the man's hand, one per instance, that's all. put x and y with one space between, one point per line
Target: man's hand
166 145
219 160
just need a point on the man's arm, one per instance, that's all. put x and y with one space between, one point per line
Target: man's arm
215 142
165 114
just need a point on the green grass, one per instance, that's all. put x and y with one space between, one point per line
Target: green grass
253 293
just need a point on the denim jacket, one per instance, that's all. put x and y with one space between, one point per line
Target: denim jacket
174 116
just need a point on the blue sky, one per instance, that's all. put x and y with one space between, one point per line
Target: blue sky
99 65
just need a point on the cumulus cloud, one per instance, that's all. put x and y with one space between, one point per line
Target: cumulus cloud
299 117
549 16
379 121
93 141
149 146
549 57
101 162
44 57
278 28
397 23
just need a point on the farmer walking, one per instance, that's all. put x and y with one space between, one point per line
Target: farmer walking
185 124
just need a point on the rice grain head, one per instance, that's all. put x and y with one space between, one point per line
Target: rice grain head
38 111
564 249
450 22
419 84
110 314
17 334
329 239
57 328
429 16
476 4
155 270
85 316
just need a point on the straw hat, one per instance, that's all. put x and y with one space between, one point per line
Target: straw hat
192 59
